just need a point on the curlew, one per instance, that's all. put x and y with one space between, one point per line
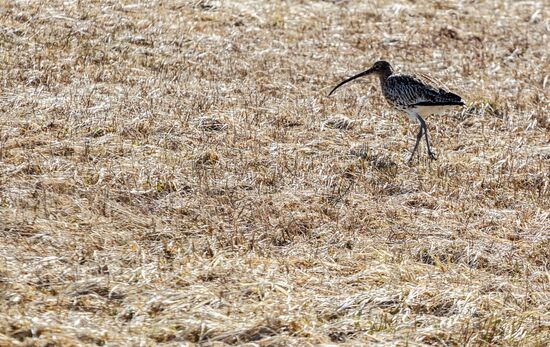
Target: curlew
408 94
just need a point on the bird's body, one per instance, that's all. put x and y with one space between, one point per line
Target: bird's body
412 96
407 93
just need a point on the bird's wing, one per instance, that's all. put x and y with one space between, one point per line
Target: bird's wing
445 97
411 91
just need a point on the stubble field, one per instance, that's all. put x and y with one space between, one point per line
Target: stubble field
173 172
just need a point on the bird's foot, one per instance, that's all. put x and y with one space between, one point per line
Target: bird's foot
432 155
409 162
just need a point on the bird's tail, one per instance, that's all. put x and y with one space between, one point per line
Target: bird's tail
450 98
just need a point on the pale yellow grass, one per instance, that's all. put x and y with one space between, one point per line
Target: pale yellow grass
173 172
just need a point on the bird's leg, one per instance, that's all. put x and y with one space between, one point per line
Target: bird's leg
423 125
418 138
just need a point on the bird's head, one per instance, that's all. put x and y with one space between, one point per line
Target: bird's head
380 68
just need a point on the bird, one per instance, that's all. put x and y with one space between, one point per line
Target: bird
409 94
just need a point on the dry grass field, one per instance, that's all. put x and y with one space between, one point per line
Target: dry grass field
173 172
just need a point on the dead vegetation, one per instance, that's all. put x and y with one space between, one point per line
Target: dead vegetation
174 172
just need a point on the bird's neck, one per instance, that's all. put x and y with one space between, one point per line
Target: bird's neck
383 76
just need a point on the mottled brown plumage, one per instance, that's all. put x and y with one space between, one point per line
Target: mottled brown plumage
410 95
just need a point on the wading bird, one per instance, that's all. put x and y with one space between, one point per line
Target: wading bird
412 96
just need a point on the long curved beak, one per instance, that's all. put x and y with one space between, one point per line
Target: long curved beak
364 73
